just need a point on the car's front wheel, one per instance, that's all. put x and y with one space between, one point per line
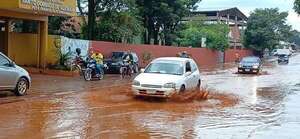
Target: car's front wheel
182 89
21 87
199 84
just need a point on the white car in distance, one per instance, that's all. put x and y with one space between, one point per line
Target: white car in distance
165 76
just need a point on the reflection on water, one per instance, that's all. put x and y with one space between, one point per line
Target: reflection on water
242 106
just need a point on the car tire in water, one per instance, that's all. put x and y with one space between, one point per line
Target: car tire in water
122 72
259 71
182 89
199 84
21 87
88 75
101 75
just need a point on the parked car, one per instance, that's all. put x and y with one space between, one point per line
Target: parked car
165 76
116 62
277 52
250 64
12 77
283 59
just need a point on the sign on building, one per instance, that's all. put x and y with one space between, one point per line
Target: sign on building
61 7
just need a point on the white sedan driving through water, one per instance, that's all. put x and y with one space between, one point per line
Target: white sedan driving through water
165 76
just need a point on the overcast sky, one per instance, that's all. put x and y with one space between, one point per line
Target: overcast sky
246 6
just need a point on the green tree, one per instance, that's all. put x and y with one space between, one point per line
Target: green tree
297 6
216 35
295 37
161 17
265 29
55 23
118 27
111 20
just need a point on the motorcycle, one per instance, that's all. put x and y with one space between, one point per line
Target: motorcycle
126 69
90 71
79 65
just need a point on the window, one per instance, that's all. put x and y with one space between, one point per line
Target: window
25 26
194 66
165 68
188 67
117 55
3 61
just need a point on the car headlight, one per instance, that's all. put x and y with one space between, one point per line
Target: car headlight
255 67
136 83
170 85
240 65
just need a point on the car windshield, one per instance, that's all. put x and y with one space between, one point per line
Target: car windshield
165 68
117 55
250 60
283 56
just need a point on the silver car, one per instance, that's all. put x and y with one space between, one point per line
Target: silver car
12 77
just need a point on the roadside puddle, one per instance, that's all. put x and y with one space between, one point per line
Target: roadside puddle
190 96
207 97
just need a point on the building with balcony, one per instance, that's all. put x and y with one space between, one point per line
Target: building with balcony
233 17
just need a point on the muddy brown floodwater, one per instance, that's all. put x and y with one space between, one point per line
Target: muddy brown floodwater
237 107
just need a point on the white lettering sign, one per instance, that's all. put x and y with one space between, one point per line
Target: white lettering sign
52 6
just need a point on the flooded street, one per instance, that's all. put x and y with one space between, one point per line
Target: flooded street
238 107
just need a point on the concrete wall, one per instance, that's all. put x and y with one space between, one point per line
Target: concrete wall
24 51
52 56
230 55
203 56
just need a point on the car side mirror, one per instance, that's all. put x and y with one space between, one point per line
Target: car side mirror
188 74
12 64
142 70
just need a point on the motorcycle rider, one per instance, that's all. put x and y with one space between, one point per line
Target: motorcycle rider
128 60
78 58
184 54
98 57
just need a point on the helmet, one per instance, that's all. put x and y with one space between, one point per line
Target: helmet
78 51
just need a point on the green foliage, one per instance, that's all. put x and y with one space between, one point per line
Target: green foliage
155 18
161 17
55 23
297 6
63 58
216 35
295 38
118 21
265 29
25 26
119 27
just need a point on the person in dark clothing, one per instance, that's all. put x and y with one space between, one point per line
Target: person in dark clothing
184 54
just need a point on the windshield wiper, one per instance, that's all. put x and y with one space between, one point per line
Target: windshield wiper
175 73
153 72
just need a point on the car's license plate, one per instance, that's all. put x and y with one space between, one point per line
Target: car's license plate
247 70
151 91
